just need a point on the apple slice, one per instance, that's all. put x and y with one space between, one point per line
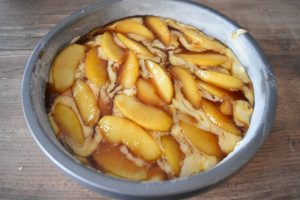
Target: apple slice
95 68
135 46
53 124
111 49
215 91
186 118
64 66
204 141
68 123
147 94
129 71
242 112
161 80
226 107
92 135
189 88
204 59
159 28
86 102
109 158
248 93
149 117
218 118
220 80
120 130
130 26
91 143
205 41
172 153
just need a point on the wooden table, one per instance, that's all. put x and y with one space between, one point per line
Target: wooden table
274 173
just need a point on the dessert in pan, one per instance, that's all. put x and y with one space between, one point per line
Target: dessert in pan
148 98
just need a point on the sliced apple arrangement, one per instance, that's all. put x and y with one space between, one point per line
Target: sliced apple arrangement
149 99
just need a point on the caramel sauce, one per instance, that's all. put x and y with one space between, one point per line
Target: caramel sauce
105 107
50 96
238 95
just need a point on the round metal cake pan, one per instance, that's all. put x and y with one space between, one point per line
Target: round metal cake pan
210 22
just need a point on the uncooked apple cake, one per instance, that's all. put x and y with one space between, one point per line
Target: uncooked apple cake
148 98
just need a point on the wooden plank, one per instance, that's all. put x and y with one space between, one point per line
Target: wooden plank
274 173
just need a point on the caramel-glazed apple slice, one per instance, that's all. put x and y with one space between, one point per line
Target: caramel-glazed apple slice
128 26
189 88
110 158
111 49
204 41
226 107
242 112
172 153
95 68
220 80
149 117
135 46
161 80
159 28
204 141
53 125
83 140
218 118
204 59
120 130
147 93
129 71
86 102
64 66
68 123
215 91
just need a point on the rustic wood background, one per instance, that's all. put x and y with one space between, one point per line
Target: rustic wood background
274 173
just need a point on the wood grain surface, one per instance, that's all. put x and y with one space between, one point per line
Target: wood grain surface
274 173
